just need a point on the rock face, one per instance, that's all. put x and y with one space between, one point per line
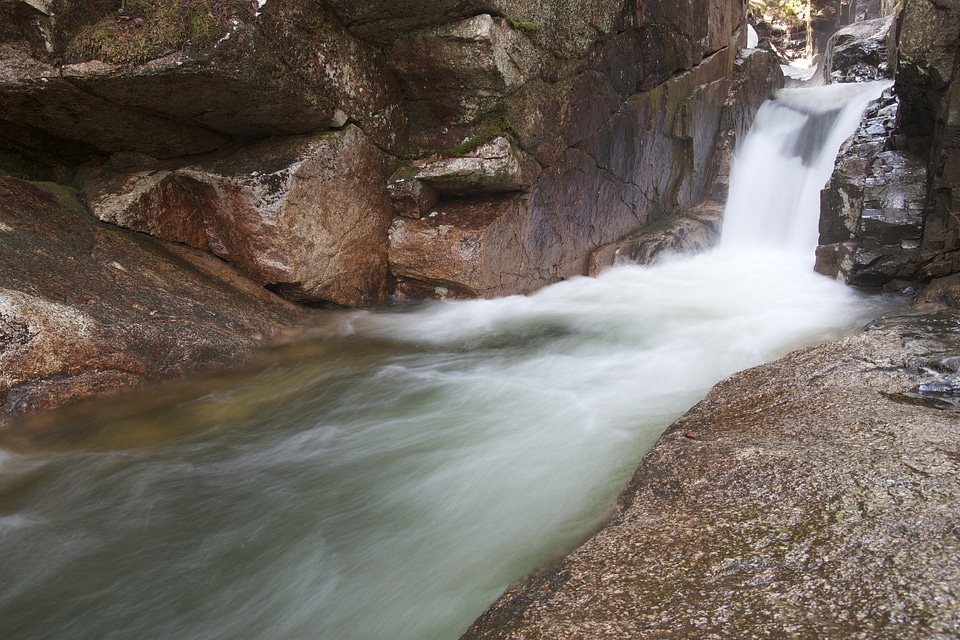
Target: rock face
889 217
88 309
815 496
577 122
343 153
927 81
862 51
871 210
305 216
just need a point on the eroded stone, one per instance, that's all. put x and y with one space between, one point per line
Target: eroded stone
87 309
307 216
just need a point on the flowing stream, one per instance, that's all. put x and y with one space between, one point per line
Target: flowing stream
387 479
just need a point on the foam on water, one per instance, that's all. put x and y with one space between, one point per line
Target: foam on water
389 480
784 162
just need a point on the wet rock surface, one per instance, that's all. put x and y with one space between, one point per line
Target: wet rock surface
816 496
697 230
871 216
87 309
862 52
889 215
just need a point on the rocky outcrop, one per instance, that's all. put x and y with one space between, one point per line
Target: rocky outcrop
694 229
149 87
861 52
562 126
889 218
598 147
815 496
871 210
927 81
340 153
306 216
87 309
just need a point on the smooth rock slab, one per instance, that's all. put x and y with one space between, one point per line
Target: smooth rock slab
813 497
87 309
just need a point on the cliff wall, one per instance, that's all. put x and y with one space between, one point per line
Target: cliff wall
489 147
890 213
351 153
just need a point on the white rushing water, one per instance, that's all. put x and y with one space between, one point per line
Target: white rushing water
389 479
784 162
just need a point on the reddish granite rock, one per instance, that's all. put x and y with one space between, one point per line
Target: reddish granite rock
89 309
306 216
461 250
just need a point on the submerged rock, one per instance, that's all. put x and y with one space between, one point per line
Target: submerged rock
815 496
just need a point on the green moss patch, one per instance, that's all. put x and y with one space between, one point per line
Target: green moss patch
148 29
519 25
499 126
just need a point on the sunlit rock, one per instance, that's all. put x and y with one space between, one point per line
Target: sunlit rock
861 52
493 167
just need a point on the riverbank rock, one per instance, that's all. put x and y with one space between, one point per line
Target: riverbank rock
871 213
928 83
889 215
87 309
590 119
816 496
695 231
616 166
862 52
305 216
756 77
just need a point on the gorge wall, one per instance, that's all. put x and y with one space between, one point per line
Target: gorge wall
890 212
349 153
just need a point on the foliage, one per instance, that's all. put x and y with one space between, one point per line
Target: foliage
785 13
148 29
519 25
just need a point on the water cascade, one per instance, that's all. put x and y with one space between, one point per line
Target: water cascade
388 478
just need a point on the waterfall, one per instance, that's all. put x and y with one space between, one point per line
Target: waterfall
784 162
389 477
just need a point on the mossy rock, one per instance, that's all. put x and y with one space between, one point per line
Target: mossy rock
497 127
148 29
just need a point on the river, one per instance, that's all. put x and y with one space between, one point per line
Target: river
389 477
